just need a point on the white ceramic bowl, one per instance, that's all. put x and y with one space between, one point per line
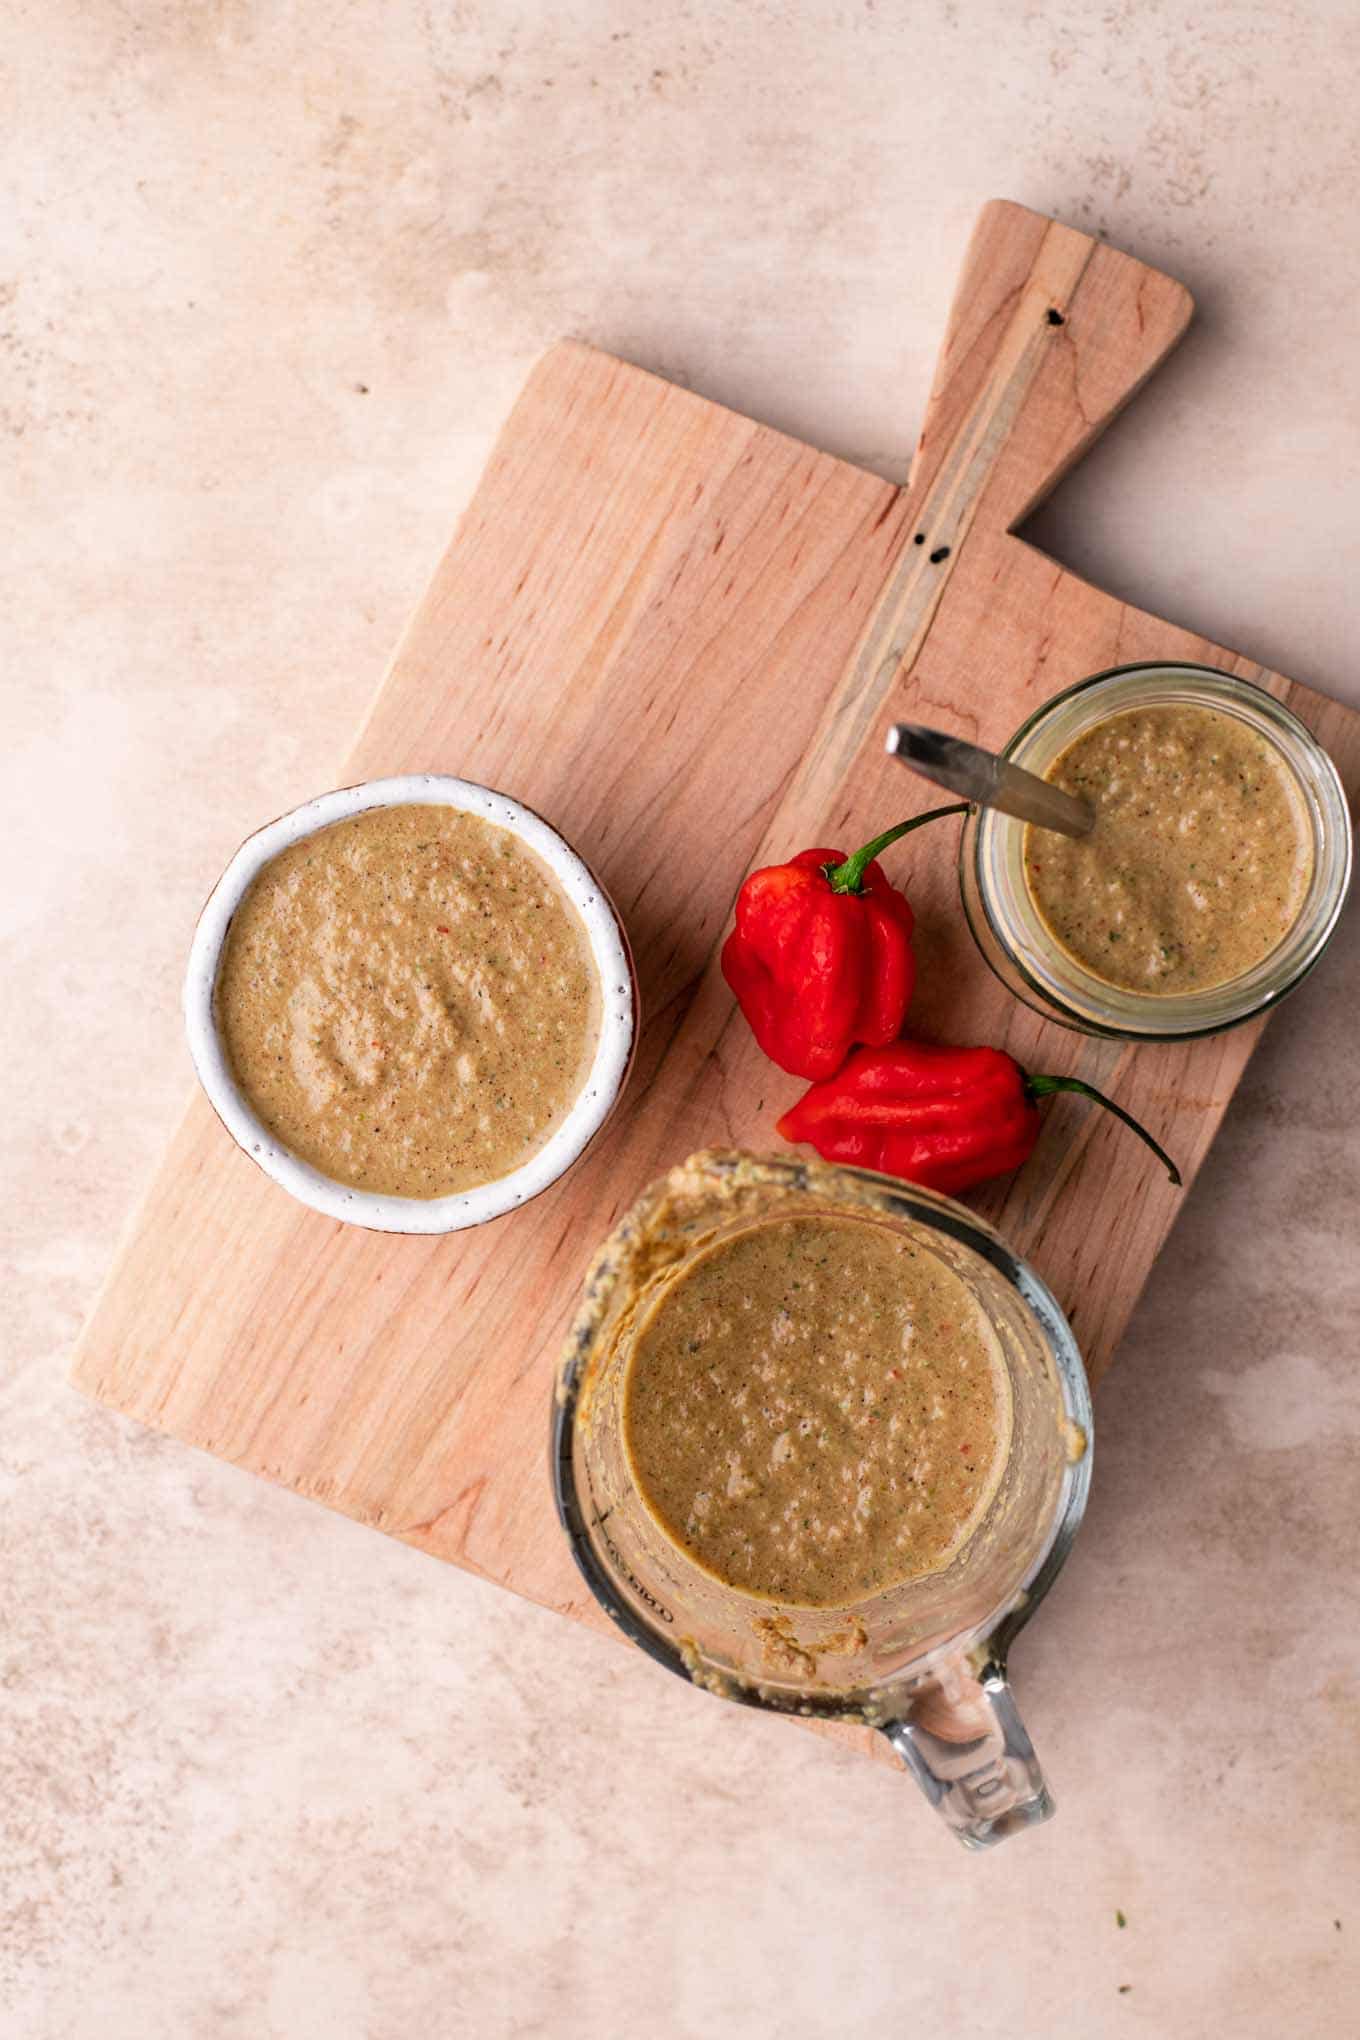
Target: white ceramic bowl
603 1083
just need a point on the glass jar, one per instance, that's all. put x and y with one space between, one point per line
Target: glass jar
1018 943
923 1661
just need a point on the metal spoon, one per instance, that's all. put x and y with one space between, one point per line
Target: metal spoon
989 781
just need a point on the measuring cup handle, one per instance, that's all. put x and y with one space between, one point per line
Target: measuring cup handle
963 1741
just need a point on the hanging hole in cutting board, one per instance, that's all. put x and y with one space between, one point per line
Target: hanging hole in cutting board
1140 560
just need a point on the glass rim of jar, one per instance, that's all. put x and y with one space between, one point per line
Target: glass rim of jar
936 1212
1023 952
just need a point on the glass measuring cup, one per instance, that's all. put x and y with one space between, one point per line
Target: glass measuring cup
923 1662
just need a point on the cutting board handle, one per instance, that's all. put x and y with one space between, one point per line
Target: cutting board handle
1050 333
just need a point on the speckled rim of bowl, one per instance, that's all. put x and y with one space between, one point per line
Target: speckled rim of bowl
599 1093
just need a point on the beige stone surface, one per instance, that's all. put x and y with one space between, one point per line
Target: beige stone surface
270 273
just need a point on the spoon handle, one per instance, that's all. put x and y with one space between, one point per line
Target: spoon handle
989 781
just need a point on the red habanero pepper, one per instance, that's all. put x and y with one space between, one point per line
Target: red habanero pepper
943 1117
820 956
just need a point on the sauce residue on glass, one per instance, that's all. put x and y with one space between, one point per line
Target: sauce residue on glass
1200 859
817 1410
408 1001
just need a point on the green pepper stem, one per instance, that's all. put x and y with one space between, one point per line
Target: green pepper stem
848 877
1044 1087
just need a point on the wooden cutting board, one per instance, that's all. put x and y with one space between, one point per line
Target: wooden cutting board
681 636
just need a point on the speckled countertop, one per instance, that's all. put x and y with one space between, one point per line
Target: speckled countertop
270 274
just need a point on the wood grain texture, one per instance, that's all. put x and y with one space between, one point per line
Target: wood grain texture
681 635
